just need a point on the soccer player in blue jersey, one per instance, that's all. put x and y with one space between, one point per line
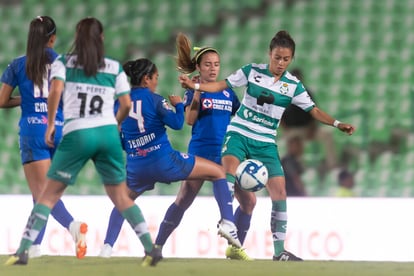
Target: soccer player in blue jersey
270 88
30 73
89 83
208 114
150 157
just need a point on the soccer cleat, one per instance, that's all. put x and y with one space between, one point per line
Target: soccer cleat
78 231
152 258
228 230
287 256
106 251
235 253
35 251
18 259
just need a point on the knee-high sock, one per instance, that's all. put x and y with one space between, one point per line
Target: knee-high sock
224 199
171 220
242 221
134 216
278 222
61 214
36 222
114 227
39 238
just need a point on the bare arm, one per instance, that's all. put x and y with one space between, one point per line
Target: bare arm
56 89
124 107
191 111
325 118
6 100
208 87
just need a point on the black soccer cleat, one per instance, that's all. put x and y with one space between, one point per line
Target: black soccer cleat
152 258
286 256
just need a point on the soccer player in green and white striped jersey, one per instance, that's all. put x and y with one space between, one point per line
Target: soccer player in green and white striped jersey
270 88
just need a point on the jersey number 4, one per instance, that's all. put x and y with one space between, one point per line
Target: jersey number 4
136 113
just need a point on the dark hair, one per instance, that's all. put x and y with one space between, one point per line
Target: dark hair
344 174
185 63
88 46
284 40
40 30
138 69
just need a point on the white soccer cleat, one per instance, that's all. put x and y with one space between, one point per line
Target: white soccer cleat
106 251
78 231
35 251
228 230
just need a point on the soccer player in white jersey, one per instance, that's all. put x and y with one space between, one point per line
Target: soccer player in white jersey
270 88
89 83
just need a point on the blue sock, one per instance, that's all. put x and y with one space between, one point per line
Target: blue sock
114 227
171 220
224 199
61 214
242 221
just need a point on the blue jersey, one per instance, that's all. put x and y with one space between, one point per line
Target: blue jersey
214 115
33 121
150 157
143 132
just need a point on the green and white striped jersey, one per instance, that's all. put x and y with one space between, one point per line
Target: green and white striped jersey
265 100
89 101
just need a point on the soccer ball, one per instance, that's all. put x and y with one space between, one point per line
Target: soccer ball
251 175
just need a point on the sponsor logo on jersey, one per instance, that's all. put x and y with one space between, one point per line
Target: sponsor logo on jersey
217 104
37 121
253 117
144 152
284 88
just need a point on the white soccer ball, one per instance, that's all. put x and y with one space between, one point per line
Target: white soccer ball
251 175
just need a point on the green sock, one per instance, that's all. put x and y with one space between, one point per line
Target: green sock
278 222
37 220
134 216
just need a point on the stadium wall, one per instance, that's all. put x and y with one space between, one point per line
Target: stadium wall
375 229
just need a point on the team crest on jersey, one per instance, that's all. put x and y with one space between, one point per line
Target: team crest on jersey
207 104
184 155
166 105
226 93
284 88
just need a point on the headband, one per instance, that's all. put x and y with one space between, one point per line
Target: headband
202 51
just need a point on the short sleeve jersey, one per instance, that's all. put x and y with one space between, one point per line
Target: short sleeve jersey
265 100
89 101
214 115
33 119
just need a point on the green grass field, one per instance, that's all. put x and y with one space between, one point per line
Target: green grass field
91 266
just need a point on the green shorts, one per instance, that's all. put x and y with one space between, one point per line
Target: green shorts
102 145
244 148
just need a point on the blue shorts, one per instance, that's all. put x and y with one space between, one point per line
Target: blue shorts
34 148
142 174
216 158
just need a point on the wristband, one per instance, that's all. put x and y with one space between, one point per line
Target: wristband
336 123
196 86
